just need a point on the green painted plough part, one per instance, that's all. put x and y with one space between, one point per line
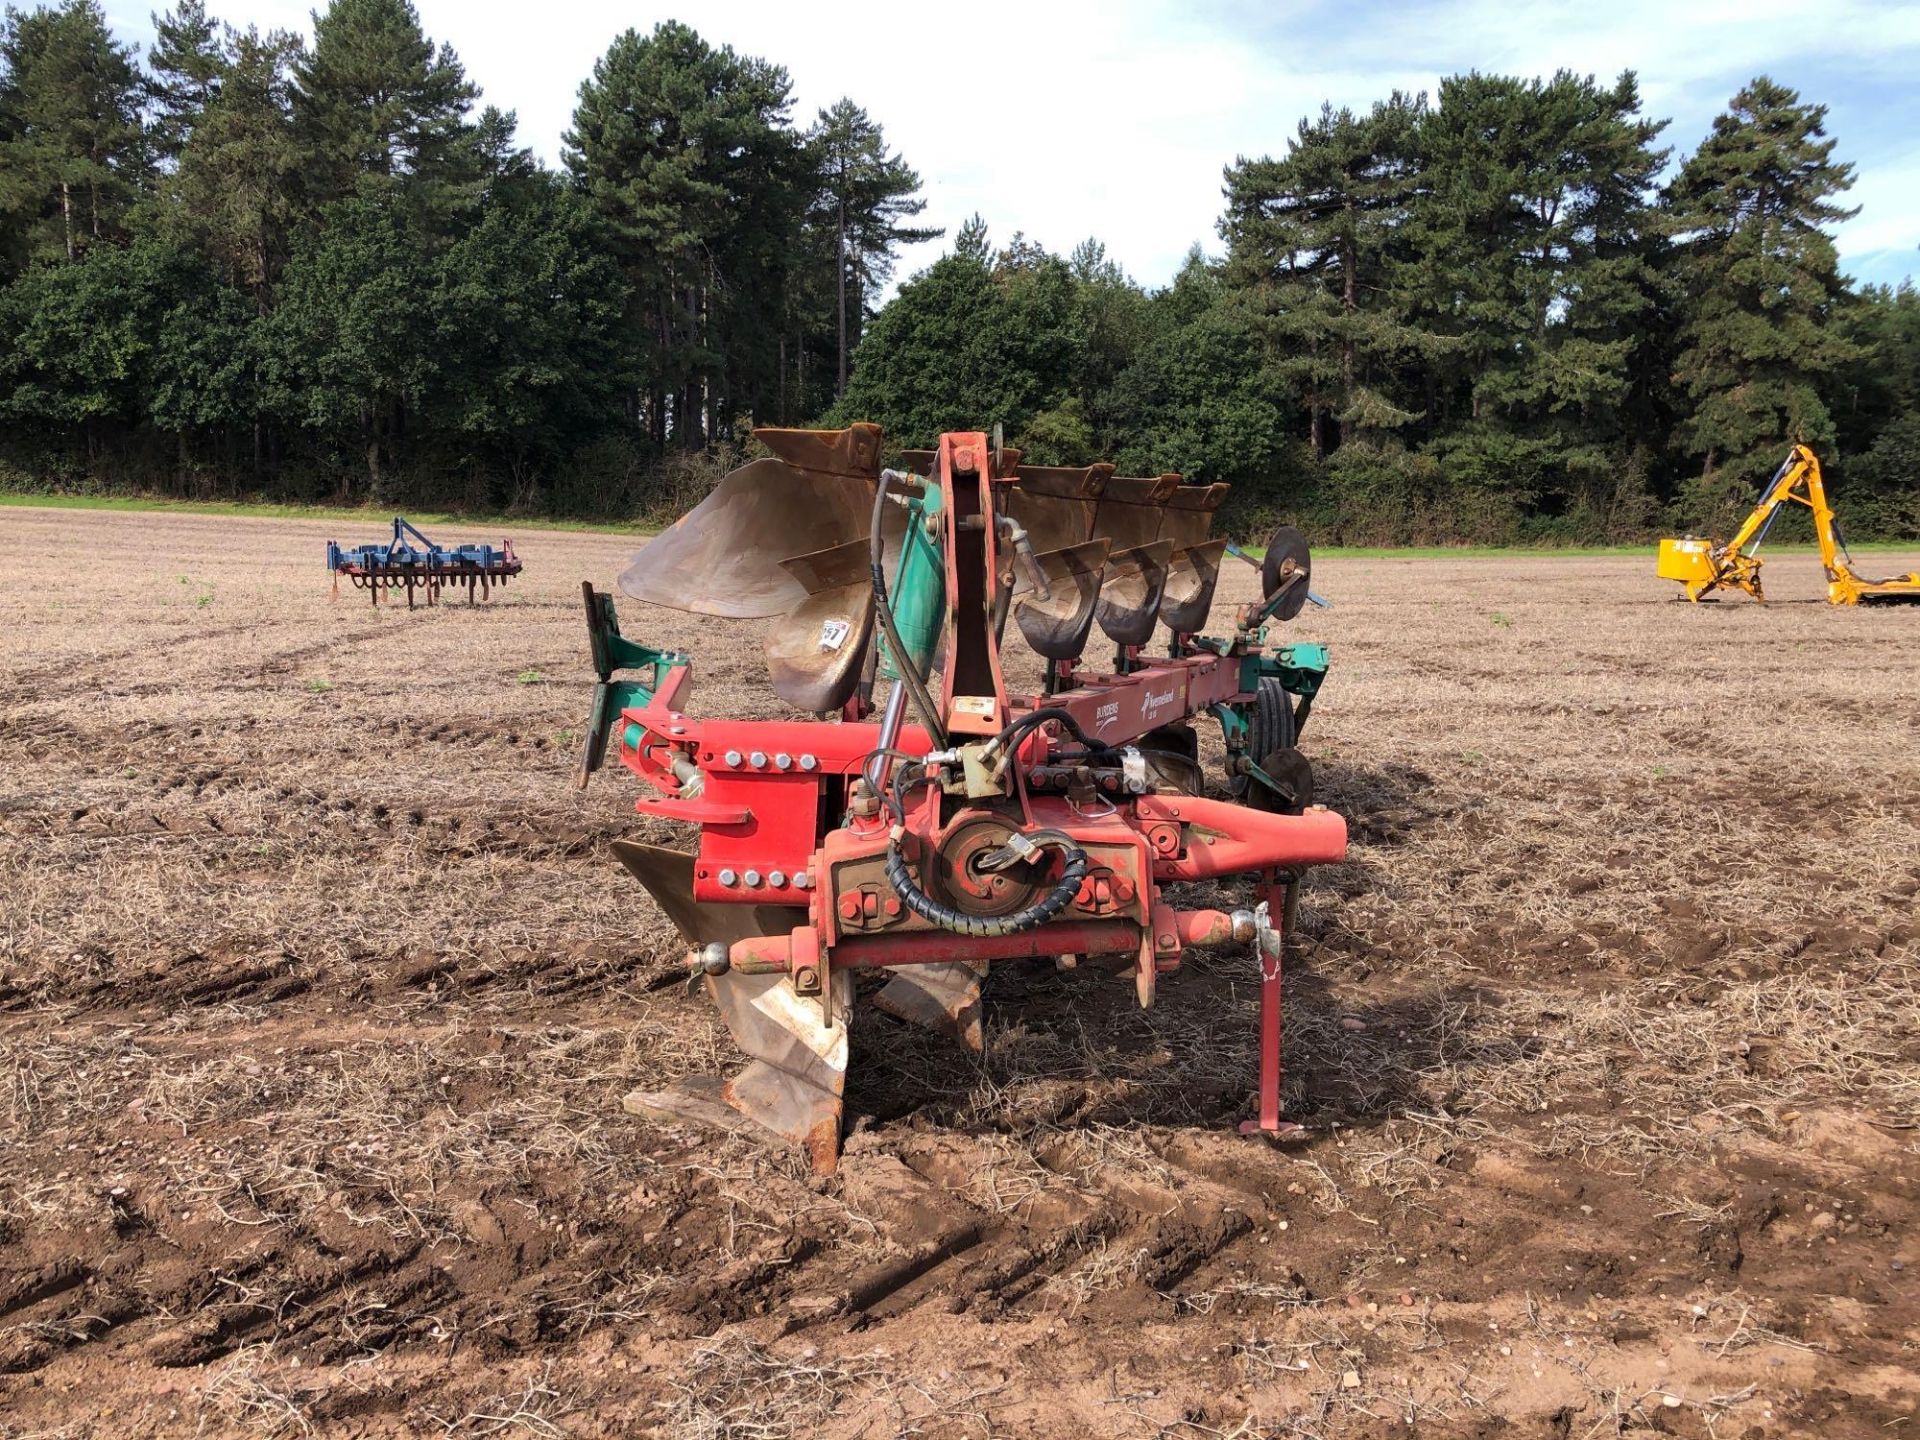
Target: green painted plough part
613 652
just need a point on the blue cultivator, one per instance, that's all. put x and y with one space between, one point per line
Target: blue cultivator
425 566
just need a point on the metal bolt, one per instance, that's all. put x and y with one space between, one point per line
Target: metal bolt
776 878
783 761
733 757
752 879
806 978
809 762
758 759
803 881
727 877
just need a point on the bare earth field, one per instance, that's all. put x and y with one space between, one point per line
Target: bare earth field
319 991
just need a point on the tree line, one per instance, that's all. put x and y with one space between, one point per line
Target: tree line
1484 317
248 264
251 264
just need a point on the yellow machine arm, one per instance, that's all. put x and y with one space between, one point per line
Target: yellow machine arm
1703 566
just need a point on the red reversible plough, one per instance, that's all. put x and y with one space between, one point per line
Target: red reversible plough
955 824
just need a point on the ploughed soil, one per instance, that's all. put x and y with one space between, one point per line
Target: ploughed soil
320 989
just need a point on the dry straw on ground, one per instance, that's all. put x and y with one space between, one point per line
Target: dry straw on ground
318 989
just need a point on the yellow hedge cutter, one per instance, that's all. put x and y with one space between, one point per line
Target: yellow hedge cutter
1703 566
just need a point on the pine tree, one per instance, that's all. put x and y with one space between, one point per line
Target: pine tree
685 154
186 63
72 157
865 197
235 187
970 241
1535 230
1311 239
1881 379
1761 280
376 100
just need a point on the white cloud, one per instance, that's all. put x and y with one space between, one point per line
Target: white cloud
1115 120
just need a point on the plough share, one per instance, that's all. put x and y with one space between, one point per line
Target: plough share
956 824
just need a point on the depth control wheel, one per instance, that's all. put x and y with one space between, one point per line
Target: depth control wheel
1271 728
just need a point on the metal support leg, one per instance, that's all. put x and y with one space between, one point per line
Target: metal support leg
1268 945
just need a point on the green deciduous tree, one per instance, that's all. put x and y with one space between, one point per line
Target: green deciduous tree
350 352
251 265
526 313
965 345
121 336
1200 399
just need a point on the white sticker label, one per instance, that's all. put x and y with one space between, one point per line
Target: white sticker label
833 635
974 705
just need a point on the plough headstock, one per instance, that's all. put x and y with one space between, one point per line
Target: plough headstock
958 823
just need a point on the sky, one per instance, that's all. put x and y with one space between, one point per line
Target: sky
1115 120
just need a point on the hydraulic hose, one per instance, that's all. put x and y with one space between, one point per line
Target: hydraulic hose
1009 738
909 672
958 923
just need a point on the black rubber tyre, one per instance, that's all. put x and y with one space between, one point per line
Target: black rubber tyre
1271 729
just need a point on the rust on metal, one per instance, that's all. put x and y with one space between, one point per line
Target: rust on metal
852 453
1192 576
816 654
668 877
1129 601
1057 503
1188 515
1132 509
723 557
1045 839
1057 627
943 997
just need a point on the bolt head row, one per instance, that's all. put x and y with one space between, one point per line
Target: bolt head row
781 761
775 879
